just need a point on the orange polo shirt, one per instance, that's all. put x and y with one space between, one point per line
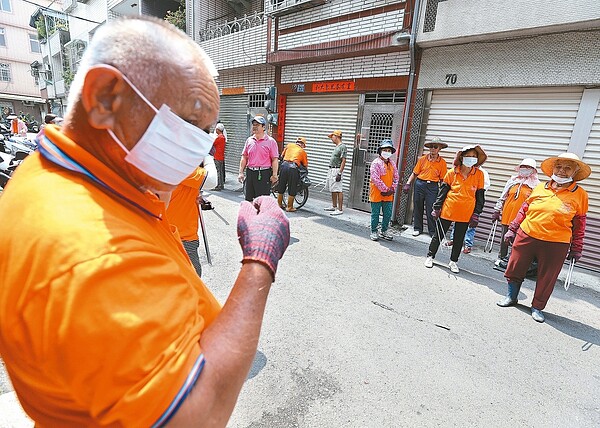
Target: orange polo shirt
295 153
460 201
430 170
550 214
101 311
183 211
513 202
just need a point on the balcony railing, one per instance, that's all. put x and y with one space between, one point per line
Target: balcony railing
285 7
238 24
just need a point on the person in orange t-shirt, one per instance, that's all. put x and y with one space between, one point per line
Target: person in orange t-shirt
219 146
460 200
183 211
550 226
294 156
428 173
384 180
103 319
516 190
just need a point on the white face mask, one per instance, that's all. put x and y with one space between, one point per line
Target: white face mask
386 155
469 161
561 180
525 172
170 149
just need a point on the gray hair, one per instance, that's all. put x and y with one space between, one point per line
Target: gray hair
144 49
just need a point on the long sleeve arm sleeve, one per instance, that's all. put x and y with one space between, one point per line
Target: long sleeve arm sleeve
479 201
441 196
514 225
579 222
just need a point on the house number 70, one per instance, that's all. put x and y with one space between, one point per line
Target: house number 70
450 79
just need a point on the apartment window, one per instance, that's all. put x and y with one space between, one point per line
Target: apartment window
4 72
34 44
2 37
5 6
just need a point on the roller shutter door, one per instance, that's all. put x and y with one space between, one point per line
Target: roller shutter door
315 117
591 249
234 115
510 124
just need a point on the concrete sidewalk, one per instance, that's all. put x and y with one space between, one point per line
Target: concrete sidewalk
319 199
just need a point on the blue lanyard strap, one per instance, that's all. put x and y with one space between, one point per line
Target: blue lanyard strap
52 153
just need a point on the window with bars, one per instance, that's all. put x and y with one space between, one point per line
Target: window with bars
380 129
366 188
5 72
385 97
257 100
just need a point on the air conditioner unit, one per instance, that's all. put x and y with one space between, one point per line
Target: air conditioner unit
69 5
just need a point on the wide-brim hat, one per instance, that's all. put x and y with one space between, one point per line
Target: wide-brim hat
481 156
584 169
436 141
386 144
337 132
12 117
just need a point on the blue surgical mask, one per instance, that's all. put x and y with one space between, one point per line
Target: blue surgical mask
170 149
469 161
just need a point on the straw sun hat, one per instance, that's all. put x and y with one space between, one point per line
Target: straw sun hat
583 172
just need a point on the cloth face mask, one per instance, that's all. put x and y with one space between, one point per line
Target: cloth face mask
561 180
170 149
469 161
525 172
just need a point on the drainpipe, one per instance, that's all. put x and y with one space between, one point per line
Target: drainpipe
407 108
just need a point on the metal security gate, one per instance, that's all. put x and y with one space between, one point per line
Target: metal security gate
509 123
315 117
379 122
234 115
591 248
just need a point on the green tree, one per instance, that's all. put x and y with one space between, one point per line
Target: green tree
177 18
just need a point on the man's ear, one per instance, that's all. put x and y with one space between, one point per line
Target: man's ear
102 95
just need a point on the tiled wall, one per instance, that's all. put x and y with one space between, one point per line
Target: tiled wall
248 47
253 79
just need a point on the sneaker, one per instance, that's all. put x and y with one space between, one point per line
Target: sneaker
537 315
467 250
429 262
453 267
416 233
497 262
336 212
330 209
374 236
387 235
448 244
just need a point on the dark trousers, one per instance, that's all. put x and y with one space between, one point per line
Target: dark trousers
503 245
550 256
424 194
288 178
220 165
257 183
191 248
459 236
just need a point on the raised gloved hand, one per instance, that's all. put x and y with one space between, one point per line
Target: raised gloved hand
509 237
575 255
263 232
338 177
474 221
496 215
436 214
406 188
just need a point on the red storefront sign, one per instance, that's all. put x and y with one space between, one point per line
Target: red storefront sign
341 86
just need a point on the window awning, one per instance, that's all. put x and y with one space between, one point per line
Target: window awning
22 98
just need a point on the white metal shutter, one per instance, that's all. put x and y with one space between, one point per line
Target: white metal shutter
315 117
591 248
234 115
509 123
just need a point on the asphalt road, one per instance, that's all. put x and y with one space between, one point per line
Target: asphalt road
360 334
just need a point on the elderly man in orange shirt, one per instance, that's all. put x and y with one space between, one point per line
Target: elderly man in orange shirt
427 174
103 320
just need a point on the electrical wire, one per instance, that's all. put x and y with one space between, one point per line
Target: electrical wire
68 14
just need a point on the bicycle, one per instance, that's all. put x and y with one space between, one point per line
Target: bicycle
302 191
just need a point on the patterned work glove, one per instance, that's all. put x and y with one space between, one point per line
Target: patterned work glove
406 188
474 221
263 232
496 216
509 237
436 214
575 255
338 177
